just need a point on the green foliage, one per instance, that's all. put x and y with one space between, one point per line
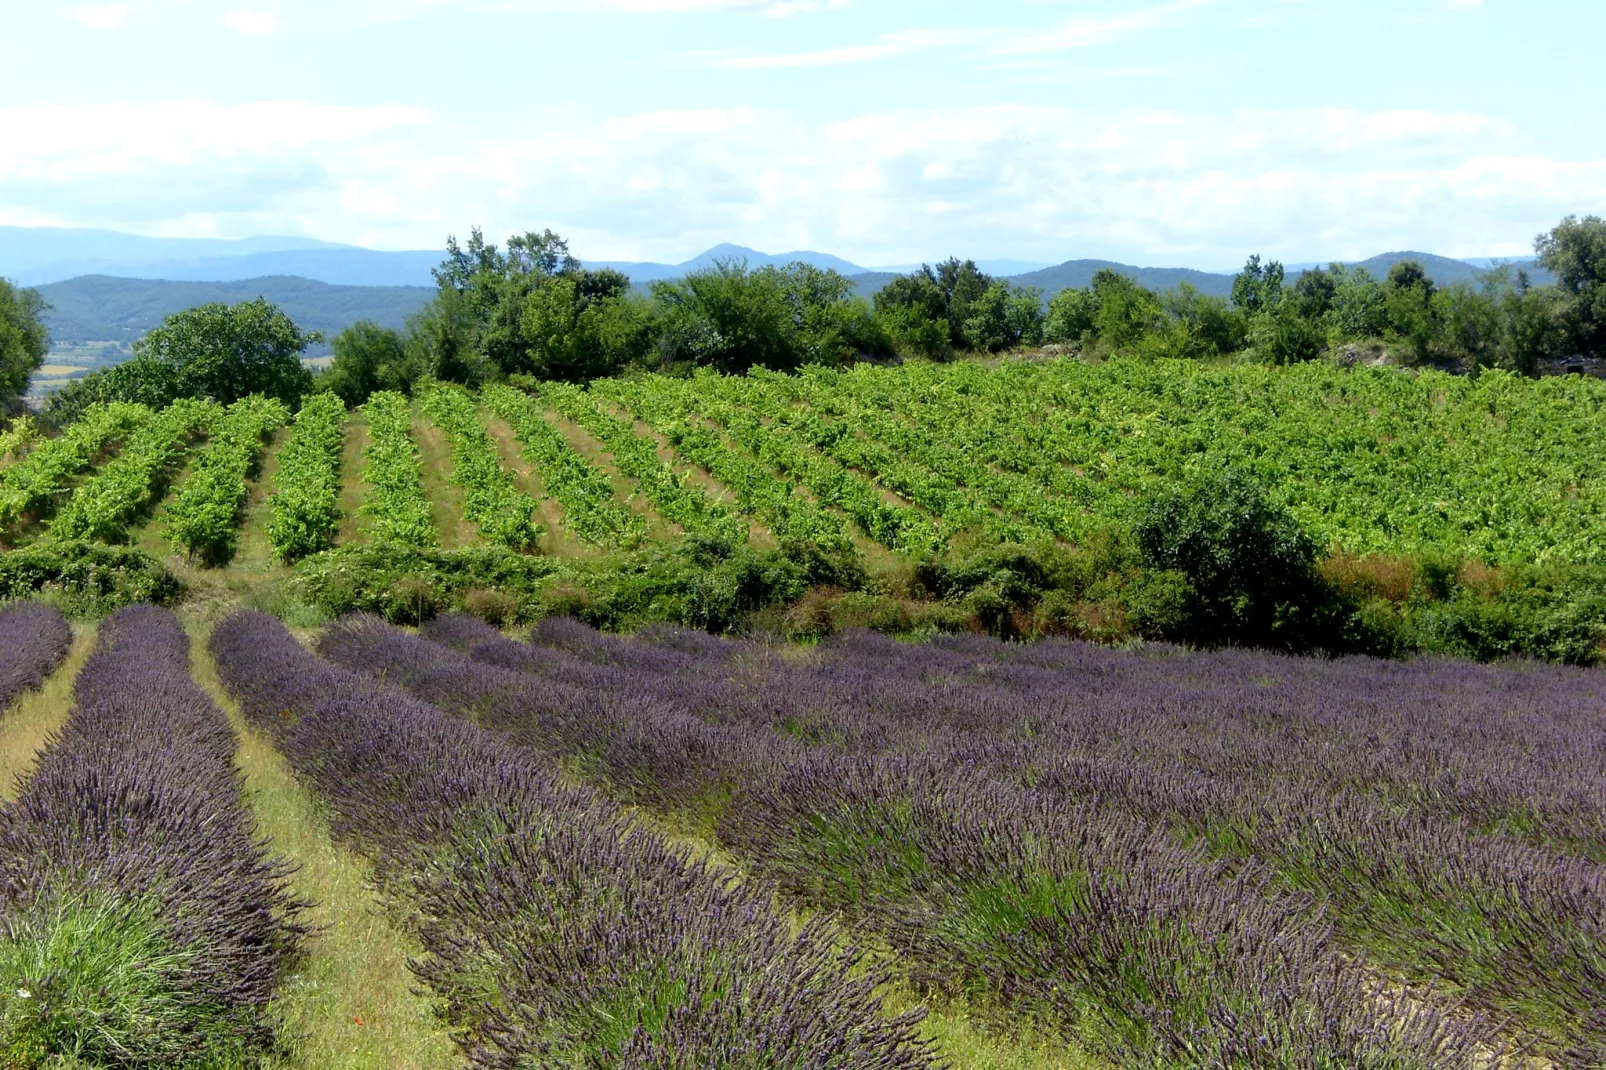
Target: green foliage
582 325
584 492
1124 311
125 490
406 584
1281 335
369 357
490 499
1258 287
19 437
915 305
100 983
729 318
32 485
1408 296
217 352
1250 564
1575 251
675 497
305 504
1072 317
396 501
1005 317
204 519
24 341
87 579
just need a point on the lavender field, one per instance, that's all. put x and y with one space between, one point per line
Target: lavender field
674 850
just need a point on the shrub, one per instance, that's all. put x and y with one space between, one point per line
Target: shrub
1250 564
86 578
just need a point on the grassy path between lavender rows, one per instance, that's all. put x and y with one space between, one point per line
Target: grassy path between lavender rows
352 1005
27 725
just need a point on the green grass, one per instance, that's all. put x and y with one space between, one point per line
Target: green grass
352 1004
31 719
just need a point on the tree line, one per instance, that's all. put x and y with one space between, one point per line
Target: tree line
531 310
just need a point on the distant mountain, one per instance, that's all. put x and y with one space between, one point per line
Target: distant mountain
36 255
1447 272
650 272
337 266
98 308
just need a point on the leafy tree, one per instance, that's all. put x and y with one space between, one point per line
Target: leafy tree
1360 305
945 294
1408 296
1072 316
24 341
369 357
1200 326
1126 311
1534 325
1280 335
1576 252
1005 317
582 325
216 351
1250 564
1258 287
1315 293
733 319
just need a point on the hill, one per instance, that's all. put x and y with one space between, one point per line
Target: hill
97 308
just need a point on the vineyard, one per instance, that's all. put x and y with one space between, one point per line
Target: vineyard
906 460
255 829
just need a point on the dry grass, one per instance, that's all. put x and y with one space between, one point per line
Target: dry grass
351 1005
28 724
1370 575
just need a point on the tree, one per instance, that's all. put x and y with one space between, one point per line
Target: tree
1258 287
24 341
946 294
1005 317
215 351
1072 316
1360 306
1315 293
1249 563
368 358
1408 297
582 325
1126 311
1200 326
1575 251
732 319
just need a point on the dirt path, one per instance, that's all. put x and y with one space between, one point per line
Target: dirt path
445 497
351 1005
254 553
353 525
625 490
759 536
556 540
28 723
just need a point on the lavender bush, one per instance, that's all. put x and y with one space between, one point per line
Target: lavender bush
851 792
558 933
141 923
34 638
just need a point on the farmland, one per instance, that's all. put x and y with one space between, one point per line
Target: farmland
447 821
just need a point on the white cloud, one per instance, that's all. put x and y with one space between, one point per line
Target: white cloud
1035 182
1086 32
252 23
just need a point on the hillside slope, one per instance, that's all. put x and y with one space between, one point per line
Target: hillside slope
99 308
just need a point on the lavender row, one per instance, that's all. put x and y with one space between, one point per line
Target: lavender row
1116 932
34 638
141 923
557 933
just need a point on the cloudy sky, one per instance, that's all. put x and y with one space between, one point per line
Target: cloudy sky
1188 132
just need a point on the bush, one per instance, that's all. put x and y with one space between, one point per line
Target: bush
87 579
406 584
1250 565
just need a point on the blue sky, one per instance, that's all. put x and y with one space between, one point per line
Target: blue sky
1186 132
